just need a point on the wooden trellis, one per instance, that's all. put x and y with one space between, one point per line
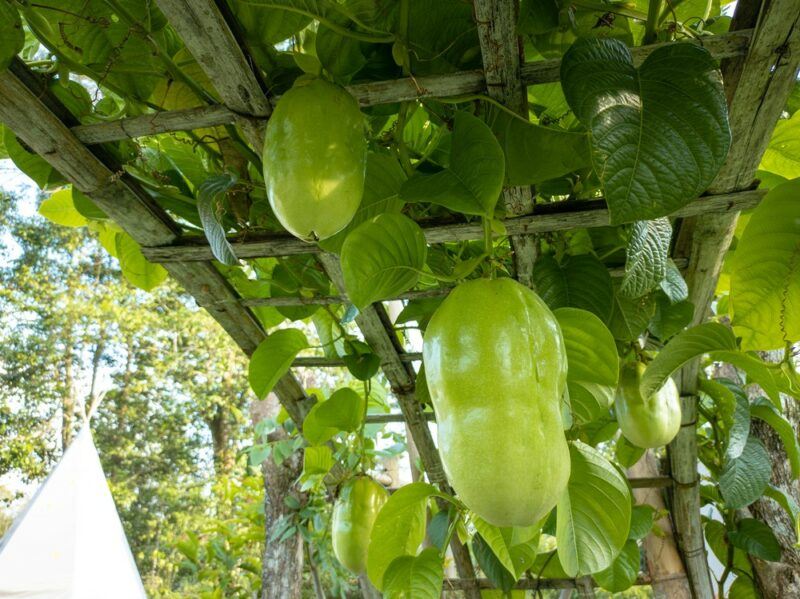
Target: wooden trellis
760 58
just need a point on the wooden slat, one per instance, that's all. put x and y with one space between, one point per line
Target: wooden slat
455 584
501 49
376 327
373 93
323 362
124 201
559 216
757 87
210 40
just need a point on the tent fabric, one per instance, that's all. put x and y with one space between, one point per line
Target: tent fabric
68 543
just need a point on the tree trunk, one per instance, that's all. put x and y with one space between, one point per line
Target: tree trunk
282 566
68 404
220 427
778 579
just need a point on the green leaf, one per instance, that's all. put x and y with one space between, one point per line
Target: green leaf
756 538
361 361
208 195
12 37
579 282
382 182
674 284
660 132
514 548
734 409
642 518
591 351
630 316
646 257
743 588
490 565
86 206
343 411
789 505
765 278
473 181
594 513
626 453
399 529
60 209
30 163
135 267
682 348
317 460
764 410
782 156
273 358
382 257
744 479
670 319
419 577
622 573
534 153
589 401
340 55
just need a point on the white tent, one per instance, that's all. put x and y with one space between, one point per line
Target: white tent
68 543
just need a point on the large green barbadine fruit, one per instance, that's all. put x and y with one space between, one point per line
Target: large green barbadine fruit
496 369
354 515
646 422
315 156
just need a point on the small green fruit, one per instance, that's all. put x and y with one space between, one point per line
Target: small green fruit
315 157
354 515
647 422
496 369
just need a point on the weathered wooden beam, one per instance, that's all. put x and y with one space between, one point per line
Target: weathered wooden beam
757 86
208 37
369 94
377 330
323 362
123 200
502 52
558 216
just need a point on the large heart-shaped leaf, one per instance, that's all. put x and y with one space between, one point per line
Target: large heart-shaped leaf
594 513
473 181
757 539
60 208
630 315
398 530
591 351
744 479
647 256
343 411
135 267
382 257
578 281
782 156
535 153
515 548
659 133
765 282
417 577
273 358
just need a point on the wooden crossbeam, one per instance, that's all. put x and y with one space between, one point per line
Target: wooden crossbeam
368 94
757 86
455 584
25 112
558 216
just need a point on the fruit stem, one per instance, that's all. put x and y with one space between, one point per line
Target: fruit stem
450 531
651 25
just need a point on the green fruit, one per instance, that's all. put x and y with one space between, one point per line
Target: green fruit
353 517
650 422
315 156
496 370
